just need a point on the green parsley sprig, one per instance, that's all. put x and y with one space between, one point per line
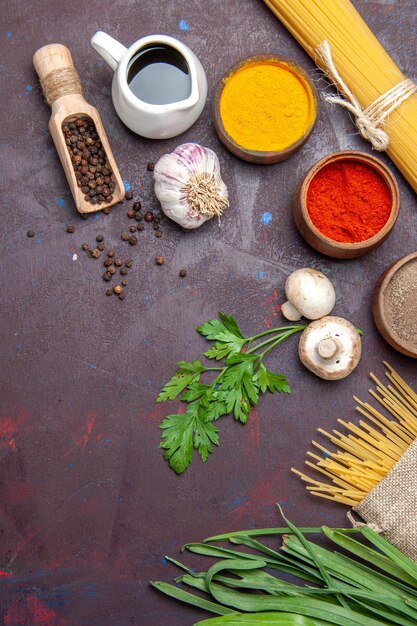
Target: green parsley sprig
240 377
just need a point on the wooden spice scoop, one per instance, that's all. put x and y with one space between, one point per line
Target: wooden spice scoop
63 92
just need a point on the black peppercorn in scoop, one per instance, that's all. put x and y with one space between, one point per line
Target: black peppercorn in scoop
78 133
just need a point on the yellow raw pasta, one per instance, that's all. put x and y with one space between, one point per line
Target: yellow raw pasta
361 61
369 454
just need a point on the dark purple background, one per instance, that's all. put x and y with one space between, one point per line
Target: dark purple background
88 507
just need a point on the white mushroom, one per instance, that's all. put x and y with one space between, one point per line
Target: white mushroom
310 294
330 347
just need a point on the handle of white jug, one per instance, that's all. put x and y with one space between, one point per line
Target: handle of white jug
111 50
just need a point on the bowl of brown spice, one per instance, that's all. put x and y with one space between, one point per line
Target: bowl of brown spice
394 305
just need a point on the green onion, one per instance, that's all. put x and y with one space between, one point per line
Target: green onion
373 584
264 532
368 554
266 619
404 562
189 598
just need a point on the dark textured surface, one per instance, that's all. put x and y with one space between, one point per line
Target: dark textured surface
88 507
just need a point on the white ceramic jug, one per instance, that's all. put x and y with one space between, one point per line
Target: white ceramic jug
156 121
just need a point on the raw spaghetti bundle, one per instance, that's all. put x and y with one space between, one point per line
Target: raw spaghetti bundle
383 101
374 469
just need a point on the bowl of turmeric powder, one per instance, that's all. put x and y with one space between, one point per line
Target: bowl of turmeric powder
264 109
347 204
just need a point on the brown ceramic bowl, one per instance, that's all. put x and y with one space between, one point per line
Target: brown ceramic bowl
324 244
255 156
381 310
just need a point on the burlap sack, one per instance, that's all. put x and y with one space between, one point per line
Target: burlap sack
391 506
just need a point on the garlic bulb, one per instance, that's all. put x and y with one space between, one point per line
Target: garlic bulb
189 186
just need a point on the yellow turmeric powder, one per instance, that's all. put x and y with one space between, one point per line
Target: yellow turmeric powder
266 105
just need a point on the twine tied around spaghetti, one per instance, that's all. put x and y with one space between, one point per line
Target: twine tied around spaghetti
356 524
370 119
61 82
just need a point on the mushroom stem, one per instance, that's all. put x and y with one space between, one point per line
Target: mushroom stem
328 348
290 312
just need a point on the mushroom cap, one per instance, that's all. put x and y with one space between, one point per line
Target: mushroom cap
311 292
330 347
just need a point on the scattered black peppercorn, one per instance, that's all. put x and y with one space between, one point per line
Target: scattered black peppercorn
183 273
92 174
30 233
70 228
106 210
150 167
84 216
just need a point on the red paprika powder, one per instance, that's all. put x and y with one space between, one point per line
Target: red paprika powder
348 201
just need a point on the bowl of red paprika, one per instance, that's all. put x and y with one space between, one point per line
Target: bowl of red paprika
347 204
